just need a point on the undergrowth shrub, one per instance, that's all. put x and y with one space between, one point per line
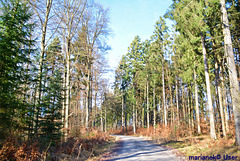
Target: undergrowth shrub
128 131
173 133
14 150
83 144
78 147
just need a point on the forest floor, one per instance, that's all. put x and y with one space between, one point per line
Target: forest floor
91 146
97 147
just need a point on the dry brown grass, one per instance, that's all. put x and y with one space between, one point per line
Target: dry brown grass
85 145
13 150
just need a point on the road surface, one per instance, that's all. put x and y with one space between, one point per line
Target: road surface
135 148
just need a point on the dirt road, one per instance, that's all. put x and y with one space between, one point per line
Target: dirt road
135 148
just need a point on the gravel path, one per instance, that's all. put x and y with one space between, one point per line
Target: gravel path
135 148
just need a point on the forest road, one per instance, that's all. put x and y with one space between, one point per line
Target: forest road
135 148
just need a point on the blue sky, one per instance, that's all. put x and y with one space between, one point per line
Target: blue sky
129 18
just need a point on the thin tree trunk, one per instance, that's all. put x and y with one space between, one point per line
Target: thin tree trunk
159 102
83 110
142 116
44 32
143 108
136 116
66 124
134 125
95 105
189 109
172 109
224 99
196 102
164 102
134 107
88 95
106 119
90 100
122 112
154 108
101 119
225 110
126 117
147 105
183 105
210 104
136 113
63 93
177 101
192 116
219 96
234 86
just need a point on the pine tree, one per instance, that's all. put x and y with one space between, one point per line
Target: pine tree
52 100
134 58
14 35
196 30
160 41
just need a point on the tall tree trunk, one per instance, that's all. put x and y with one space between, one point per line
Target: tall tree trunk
154 108
66 124
234 86
90 99
159 107
64 92
224 99
88 94
147 106
83 110
189 109
136 116
196 102
136 113
101 119
172 109
142 116
183 105
126 117
219 96
122 112
164 101
210 105
134 124
177 101
225 109
44 32
134 108
105 119
192 116
95 106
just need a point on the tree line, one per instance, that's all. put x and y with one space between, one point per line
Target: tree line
184 77
52 65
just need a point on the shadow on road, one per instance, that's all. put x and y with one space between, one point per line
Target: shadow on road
134 148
